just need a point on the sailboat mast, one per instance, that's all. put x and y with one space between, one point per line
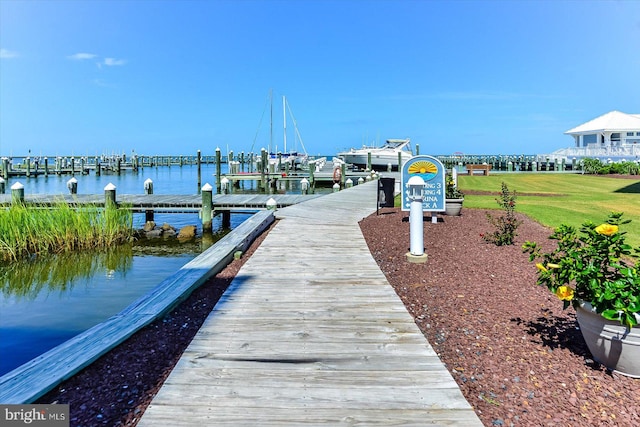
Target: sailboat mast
284 118
271 120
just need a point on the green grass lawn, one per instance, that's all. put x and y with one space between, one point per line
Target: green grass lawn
553 199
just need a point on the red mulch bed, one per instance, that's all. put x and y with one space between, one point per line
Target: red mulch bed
518 358
516 355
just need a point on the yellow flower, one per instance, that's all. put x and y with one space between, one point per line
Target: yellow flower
607 229
553 265
541 267
565 293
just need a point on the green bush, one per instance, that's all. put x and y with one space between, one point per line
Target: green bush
506 224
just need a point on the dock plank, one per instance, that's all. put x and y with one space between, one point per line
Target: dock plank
311 333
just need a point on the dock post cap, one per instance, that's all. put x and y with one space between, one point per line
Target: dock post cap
207 187
217 148
109 187
271 204
72 180
17 186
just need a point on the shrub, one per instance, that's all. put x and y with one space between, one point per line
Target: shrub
506 224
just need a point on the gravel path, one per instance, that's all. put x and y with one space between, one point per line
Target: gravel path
516 355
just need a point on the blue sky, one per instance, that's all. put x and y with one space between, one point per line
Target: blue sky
173 77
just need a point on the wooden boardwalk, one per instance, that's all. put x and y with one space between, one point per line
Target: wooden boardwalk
311 333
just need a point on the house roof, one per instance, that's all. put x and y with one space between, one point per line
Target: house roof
613 121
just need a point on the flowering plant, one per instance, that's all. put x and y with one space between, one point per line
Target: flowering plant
593 266
452 191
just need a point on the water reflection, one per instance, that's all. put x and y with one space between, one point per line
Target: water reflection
26 279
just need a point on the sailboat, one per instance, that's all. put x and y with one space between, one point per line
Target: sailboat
295 158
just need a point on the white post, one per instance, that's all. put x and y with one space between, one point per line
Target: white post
72 185
304 186
17 193
272 204
224 185
416 229
416 254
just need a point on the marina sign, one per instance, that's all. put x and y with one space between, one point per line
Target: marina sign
432 172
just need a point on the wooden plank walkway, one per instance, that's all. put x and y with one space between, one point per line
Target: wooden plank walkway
310 332
33 379
175 203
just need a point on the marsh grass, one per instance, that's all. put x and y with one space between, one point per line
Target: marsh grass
553 199
33 229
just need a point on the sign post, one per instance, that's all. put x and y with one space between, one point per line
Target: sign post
423 189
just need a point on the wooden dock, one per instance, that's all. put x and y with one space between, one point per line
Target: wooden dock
310 332
167 203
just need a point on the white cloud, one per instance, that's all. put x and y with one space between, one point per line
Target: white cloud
6 54
81 56
113 62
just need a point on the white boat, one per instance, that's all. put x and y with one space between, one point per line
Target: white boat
381 157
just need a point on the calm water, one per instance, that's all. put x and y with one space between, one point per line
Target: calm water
47 300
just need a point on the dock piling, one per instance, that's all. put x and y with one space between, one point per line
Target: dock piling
224 185
72 185
5 167
110 196
207 197
218 168
148 189
17 194
199 163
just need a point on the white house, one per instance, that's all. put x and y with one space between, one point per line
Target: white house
612 129
614 134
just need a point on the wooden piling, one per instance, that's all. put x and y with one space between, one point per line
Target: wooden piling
218 168
72 185
199 165
5 168
110 196
207 197
226 219
17 194
148 189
